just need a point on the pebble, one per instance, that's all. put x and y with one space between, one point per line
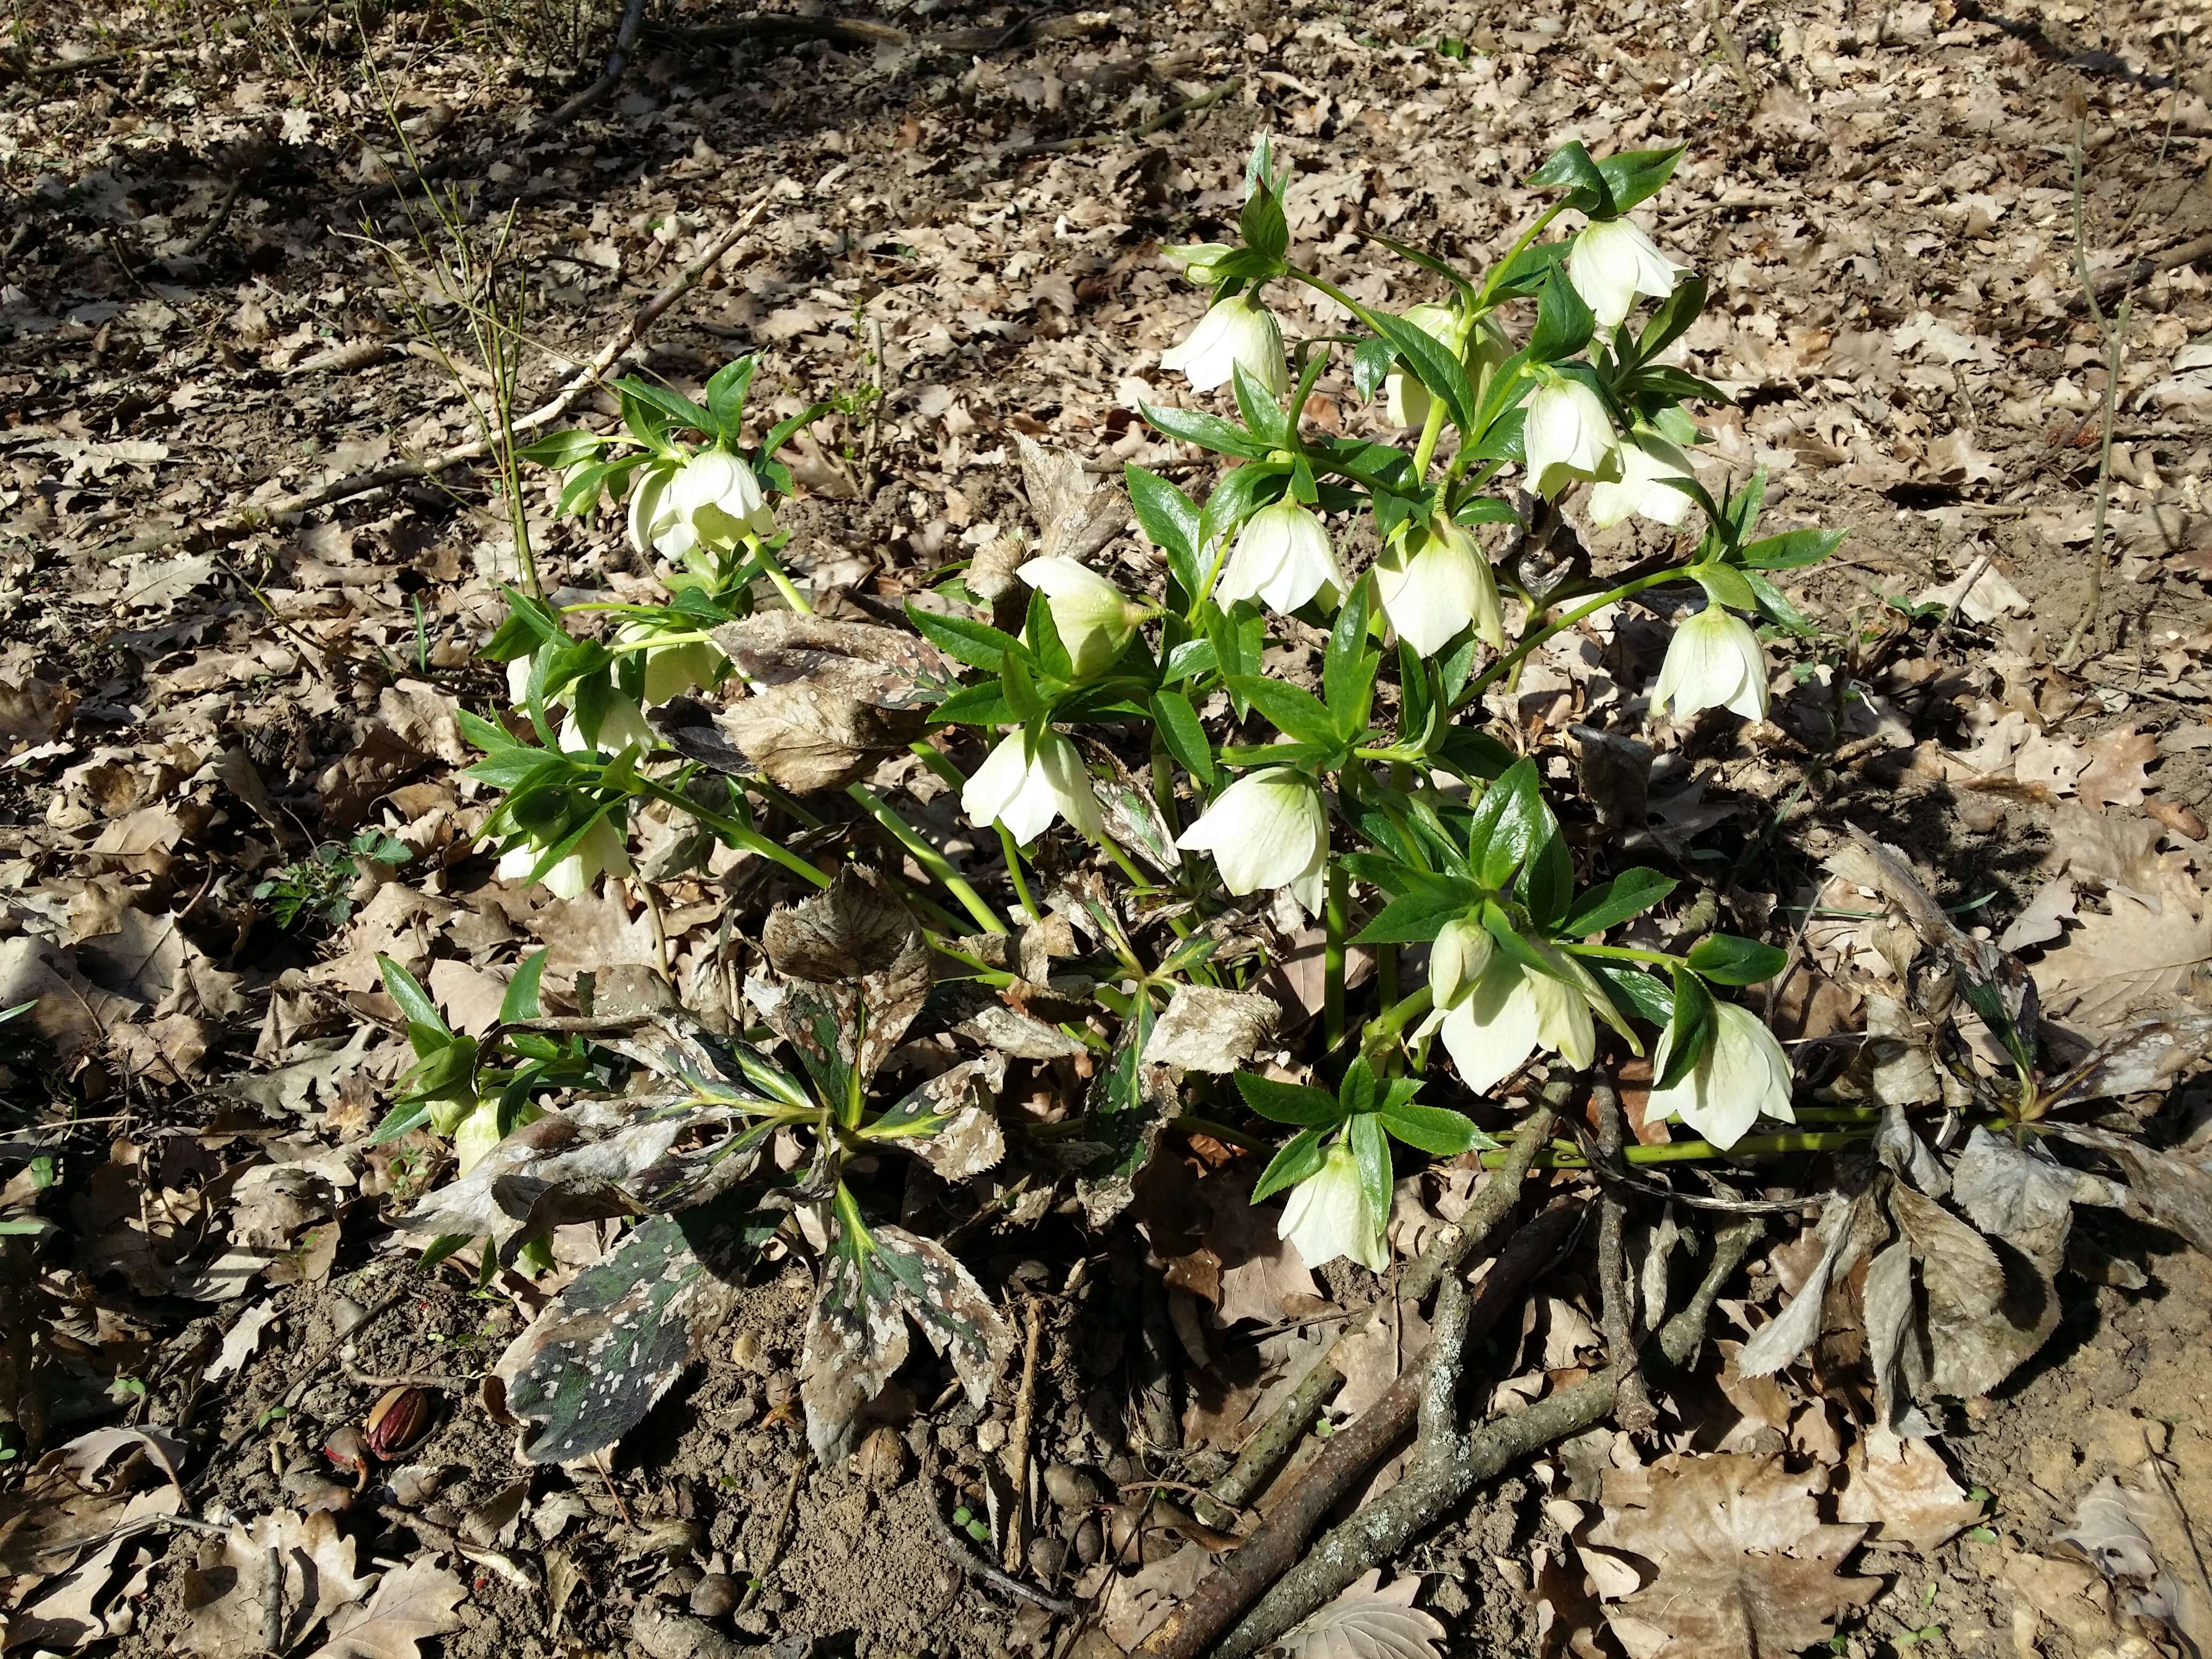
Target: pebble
1090 1540
715 1594
1072 1488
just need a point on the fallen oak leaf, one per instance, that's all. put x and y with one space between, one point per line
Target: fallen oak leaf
411 1603
1902 1489
230 1604
2134 953
2115 775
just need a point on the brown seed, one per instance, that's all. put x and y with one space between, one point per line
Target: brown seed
881 1460
397 1420
2176 817
347 1449
714 1594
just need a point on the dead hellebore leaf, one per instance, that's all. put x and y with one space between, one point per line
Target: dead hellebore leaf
1077 513
855 929
2109 1529
1207 1029
1744 1565
805 736
888 668
2148 1054
1903 1492
1981 1321
2172 1190
1847 1231
950 1122
313 1577
856 1336
1367 1623
411 1604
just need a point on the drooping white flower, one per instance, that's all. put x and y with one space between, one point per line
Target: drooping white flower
1094 618
672 670
1282 558
1405 399
1327 1215
1646 459
1456 960
1269 829
602 850
1611 262
518 679
1514 1010
1568 436
1434 580
1025 793
649 520
1714 661
717 495
621 726
1743 1075
1237 330
1196 260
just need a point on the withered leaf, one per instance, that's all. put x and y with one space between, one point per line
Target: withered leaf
1847 1231
1745 1565
872 1281
2167 1189
1077 512
1903 1492
411 1605
2139 951
1021 1035
806 736
313 1577
591 1365
883 667
950 1122
1208 1029
1981 1320
1367 1623
855 929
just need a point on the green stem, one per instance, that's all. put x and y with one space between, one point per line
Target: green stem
1014 871
939 762
791 597
929 858
1620 953
1432 429
1220 1132
1332 960
1483 301
1512 658
738 834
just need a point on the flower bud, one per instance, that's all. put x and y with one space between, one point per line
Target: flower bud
1237 330
1327 1215
1022 793
1269 829
1742 1074
1095 619
1456 960
1611 262
1714 661
1434 580
1282 558
1197 260
1568 436
1405 399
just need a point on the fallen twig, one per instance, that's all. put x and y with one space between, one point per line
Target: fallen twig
1442 1475
232 525
1168 117
1018 1542
1632 1408
973 1565
1264 1454
1351 1452
858 32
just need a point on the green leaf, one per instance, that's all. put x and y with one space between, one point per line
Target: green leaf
1548 880
1195 426
400 1120
1689 1030
1433 364
1370 364
983 703
1301 1157
1297 714
1348 669
1636 989
1436 1130
1170 521
1671 321
1357 1092
726 397
1792 550
1775 605
1287 1103
976 643
521 1000
1634 175
1262 414
1261 222
1725 585
1522 823
562 450
1571 168
414 1001
1371 1147
1564 322
1184 734
1629 893
678 408
1725 959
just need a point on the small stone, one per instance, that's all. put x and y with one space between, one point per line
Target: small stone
715 1594
990 1436
346 1315
1089 1542
883 1458
1047 1555
749 1354
1072 1488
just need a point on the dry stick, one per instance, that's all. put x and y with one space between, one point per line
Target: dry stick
784 25
235 524
1258 1562
1633 1407
1266 1452
1444 1474
1017 1543
973 1565
1228 89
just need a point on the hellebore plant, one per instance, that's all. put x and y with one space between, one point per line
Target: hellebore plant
1211 797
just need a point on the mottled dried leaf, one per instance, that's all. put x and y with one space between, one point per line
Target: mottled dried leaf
2172 1190
883 667
1077 512
229 1604
807 735
855 929
1367 1623
1846 1233
950 1122
1208 1029
411 1604
1903 1491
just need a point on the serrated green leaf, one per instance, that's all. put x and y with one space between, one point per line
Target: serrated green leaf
1287 1103
1628 895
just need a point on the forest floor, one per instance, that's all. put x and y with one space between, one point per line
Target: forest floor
211 302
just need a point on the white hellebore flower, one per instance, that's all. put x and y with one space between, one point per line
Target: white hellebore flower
1405 399
712 498
1714 661
1569 435
1269 829
1742 1075
1197 260
1511 1013
1237 330
1433 581
1645 459
1094 618
1023 793
650 516
1611 262
1456 960
601 849
621 726
1282 558
1327 1215
672 670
